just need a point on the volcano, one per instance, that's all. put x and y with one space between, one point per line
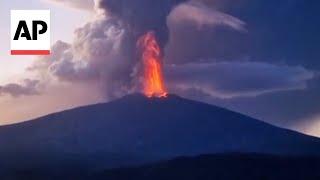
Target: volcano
136 129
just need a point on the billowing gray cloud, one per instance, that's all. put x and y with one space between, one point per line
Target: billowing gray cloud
234 79
25 88
100 53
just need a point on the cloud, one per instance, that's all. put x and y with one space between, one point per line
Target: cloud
26 88
78 4
104 49
104 53
100 53
198 32
236 79
201 16
286 108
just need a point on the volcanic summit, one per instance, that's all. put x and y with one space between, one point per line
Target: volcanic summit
136 129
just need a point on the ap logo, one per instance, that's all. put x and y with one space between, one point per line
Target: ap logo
30 32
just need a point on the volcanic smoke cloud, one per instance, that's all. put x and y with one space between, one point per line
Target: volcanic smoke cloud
142 15
104 54
105 51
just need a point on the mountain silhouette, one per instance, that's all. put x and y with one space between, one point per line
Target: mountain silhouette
134 130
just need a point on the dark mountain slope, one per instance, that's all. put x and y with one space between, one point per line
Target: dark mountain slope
136 129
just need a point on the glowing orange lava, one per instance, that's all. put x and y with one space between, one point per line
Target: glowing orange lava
151 56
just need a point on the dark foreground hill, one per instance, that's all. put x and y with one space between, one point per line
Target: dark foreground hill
204 167
222 167
134 130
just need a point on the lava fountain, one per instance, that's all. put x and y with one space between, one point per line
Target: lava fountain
153 81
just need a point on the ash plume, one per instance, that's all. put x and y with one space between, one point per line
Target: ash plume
104 50
142 15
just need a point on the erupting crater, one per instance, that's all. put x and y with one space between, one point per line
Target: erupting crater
153 81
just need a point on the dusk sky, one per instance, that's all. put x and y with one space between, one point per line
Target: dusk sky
259 58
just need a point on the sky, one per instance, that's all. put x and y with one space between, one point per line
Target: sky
259 58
